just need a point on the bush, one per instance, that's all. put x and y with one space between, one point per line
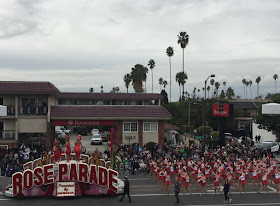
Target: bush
188 128
215 134
150 145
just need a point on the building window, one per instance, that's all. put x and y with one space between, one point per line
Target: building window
61 102
84 102
126 102
106 102
138 102
130 126
73 102
1 100
93 102
150 126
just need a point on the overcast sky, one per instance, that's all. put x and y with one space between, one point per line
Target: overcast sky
81 44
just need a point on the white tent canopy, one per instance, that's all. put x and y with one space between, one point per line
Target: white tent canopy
271 108
3 111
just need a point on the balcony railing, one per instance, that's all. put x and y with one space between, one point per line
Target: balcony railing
7 134
10 110
33 110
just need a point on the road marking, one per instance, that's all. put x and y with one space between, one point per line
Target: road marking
139 179
145 186
271 188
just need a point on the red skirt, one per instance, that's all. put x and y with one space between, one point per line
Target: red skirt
182 179
265 182
254 177
202 184
186 184
217 183
243 182
259 176
276 180
247 176
230 183
167 183
207 175
172 173
192 174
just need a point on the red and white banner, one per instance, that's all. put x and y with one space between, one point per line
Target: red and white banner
65 189
221 110
83 122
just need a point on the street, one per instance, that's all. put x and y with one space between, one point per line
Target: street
145 192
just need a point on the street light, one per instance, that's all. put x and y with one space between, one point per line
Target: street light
212 75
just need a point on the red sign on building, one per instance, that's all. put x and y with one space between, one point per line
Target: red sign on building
220 110
83 122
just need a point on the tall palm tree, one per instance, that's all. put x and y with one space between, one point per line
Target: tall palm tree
258 80
91 90
164 84
170 53
250 84
183 40
224 84
244 83
247 84
152 65
138 75
181 78
212 82
275 77
127 80
160 81
101 88
198 93
208 89
194 92
217 86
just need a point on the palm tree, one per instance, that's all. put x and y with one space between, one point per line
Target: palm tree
258 80
152 65
250 84
275 77
127 81
217 85
91 90
194 92
164 84
160 81
208 89
183 40
244 83
181 78
170 53
230 93
224 84
101 89
138 75
198 93
212 82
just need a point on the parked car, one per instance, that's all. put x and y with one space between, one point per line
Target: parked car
245 140
96 139
269 145
61 129
228 136
104 136
94 131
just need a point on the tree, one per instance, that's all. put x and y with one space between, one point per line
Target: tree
275 77
258 80
164 84
181 78
224 84
244 83
101 89
230 93
217 86
152 65
208 89
170 53
247 84
212 82
91 90
222 95
194 92
127 80
160 81
198 93
250 84
138 75
115 90
183 40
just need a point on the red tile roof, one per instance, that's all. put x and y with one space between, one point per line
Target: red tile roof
168 126
83 95
27 87
157 112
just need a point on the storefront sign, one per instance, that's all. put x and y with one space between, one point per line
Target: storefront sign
83 122
65 189
221 110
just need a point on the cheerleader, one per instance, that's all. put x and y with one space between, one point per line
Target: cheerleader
202 182
277 180
254 177
264 182
208 174
243 183
161 177
217 180
199 175
186 184
172 171
167 182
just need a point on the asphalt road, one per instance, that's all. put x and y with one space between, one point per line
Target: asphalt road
145 192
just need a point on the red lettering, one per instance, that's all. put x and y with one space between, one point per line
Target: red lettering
28 165
73 172
48 173
28 179
62 170
102 176
83 172
38 181
92 175
112 175
17 183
